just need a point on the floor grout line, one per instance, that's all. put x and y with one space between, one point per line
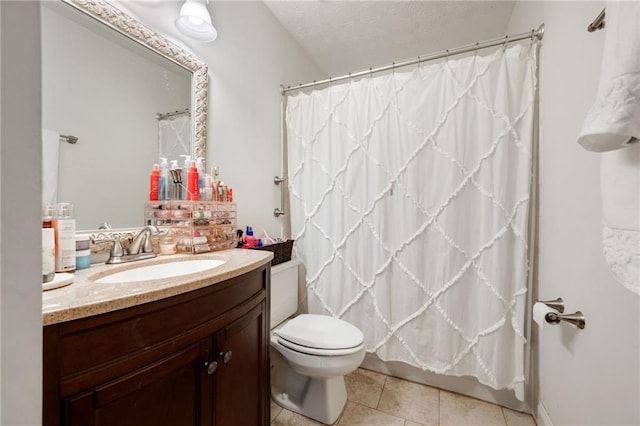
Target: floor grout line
439 407
382 391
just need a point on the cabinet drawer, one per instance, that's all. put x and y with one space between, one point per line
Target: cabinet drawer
92 343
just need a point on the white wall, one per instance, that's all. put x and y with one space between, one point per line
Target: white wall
108 96
248 61
590 376
252 56
20 221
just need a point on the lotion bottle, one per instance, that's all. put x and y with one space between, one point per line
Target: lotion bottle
163 191
64 225
154 185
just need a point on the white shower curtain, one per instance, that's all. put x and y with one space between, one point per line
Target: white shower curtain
409 206
174 137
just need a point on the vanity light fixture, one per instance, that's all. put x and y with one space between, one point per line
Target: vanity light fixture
194 21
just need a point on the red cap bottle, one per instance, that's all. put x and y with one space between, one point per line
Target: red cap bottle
193 186
154 186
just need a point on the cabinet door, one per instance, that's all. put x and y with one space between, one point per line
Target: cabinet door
241 386
167 392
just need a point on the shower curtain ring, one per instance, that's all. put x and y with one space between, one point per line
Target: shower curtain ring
477 47
447 57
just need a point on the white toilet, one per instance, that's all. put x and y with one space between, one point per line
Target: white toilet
310 354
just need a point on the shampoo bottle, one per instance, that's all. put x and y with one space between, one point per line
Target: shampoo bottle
185 177
64 225
163 190
193 189
154 186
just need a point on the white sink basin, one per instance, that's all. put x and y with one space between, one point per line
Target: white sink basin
161 271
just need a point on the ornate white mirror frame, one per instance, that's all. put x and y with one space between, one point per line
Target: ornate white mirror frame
128 26
118 20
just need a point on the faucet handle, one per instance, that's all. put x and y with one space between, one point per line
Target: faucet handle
116 248
148 244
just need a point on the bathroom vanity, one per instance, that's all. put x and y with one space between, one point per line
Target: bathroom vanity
186 350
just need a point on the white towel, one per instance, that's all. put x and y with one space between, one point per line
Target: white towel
613 124
50 155
614 119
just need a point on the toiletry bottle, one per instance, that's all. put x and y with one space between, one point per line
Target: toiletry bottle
192 179
206 194
200 166
83 252
175 192
154 186
163 191
185 177
64 226
48 255
48 212
230 195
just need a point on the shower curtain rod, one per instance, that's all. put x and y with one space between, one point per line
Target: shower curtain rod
172 114
539 33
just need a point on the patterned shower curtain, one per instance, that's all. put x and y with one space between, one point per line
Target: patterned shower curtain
409 201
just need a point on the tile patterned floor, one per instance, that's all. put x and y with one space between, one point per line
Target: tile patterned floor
374 399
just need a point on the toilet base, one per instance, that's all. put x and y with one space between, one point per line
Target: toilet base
321 399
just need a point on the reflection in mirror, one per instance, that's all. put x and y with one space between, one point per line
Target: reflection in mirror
113 94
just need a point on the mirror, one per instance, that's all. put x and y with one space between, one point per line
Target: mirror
105 77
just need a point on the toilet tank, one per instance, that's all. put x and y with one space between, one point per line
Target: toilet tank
284 291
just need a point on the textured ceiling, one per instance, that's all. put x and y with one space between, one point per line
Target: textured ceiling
349 36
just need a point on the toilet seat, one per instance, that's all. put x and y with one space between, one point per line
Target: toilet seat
320 335
316 351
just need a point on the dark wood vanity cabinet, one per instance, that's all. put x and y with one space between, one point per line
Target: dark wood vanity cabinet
199 358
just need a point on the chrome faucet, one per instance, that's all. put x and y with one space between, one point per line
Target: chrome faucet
140 248
143 240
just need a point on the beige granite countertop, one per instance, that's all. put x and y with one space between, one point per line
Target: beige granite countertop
84 297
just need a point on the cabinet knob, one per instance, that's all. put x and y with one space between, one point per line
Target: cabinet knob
226 356
212 367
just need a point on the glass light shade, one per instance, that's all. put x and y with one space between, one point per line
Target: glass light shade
194 21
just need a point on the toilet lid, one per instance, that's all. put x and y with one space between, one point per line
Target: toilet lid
321 332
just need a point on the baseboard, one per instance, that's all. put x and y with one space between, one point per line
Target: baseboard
542 417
